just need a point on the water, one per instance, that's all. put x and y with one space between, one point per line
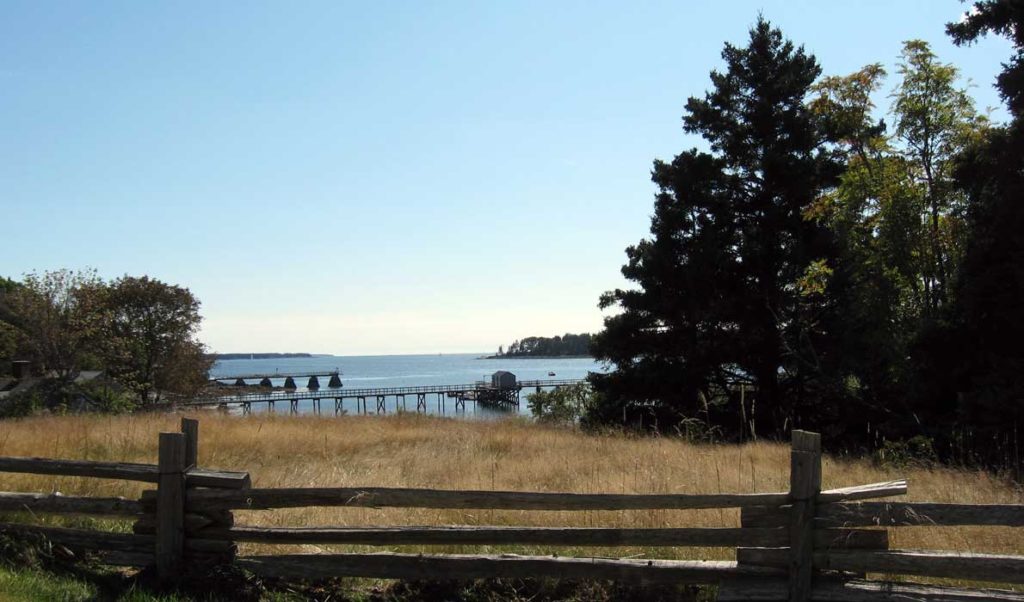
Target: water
380 371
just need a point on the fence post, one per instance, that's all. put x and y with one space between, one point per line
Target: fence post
170 506
804 486
190 427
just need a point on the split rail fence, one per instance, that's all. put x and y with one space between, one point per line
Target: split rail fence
803 544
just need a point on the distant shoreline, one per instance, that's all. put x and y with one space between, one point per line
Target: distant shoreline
535 357
257 356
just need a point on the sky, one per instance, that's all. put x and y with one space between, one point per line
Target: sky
379 177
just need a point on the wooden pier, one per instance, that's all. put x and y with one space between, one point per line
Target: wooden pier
480 392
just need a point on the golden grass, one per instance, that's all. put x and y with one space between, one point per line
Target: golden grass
419 451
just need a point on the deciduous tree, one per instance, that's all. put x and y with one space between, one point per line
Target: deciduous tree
152 328
59 319
900 222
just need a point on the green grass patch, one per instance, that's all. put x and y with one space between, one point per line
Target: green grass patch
34 584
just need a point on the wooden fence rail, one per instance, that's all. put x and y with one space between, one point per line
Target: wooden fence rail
802 544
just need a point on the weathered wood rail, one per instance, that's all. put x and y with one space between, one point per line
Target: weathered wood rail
803 544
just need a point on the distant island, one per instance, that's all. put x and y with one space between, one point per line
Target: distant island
256 356
567 345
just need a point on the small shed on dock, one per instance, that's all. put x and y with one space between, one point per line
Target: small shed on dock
503 380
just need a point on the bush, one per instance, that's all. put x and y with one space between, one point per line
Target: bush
22 404
563 405
916 451
104 398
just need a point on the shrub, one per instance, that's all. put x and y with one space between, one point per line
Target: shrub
563 405
916 451
25 403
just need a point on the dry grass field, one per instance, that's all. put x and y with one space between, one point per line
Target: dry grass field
417 451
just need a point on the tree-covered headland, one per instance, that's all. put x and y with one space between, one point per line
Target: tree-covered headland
827 263
141 333
566 345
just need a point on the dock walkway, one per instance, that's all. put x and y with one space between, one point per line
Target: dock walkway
479 392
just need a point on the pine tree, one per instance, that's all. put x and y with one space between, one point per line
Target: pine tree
731 284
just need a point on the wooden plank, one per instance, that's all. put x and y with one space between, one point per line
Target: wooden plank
474 535
861 591
976 567
807 441
83 539
764 516
804 486
510 566
767 590
87 539
56 503
863 492
894 514
220 479
190 428
193 522
480 535
126 471
140 559
772 516
146 525
170 526
767 557
381 497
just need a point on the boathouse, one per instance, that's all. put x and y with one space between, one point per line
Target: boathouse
503 380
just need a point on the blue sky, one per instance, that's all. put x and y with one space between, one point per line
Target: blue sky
378 177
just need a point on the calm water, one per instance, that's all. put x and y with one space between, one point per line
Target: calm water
379 371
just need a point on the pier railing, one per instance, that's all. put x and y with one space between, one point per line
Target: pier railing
243 397
801 544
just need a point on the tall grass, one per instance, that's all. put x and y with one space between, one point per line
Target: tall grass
420 451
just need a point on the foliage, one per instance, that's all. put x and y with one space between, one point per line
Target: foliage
56 396
139 331
21 404
729 285
152 345
916 451
8 345
58 318
854 279
567 344
900 224
562 405
106 397
1004 18
973 363
934 122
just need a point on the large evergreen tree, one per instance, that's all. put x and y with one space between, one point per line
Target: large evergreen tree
979 356
730 285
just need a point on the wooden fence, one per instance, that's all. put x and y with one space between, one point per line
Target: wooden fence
803 544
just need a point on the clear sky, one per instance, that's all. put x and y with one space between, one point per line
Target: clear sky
377 177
